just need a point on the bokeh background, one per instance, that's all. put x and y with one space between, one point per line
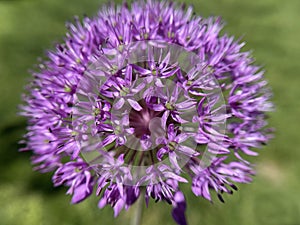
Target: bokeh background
270 27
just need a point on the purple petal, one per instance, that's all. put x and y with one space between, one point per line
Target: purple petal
146 142
205 191
175 177
166 60
139 87
170 73
188 104
109 139
171 132
179 208
181 137
118 207
80 193
128 73
217 148
175 93
134 104
161 152
157 107
177 118
164 119
141 70
161 140
119 103
158 83
102 202
187 151
173 160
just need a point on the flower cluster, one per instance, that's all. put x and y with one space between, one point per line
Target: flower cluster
138 98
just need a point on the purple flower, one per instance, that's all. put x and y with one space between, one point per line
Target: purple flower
75 175
137 97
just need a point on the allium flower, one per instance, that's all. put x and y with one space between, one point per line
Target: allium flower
139 98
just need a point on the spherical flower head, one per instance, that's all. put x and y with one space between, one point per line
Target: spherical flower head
141 97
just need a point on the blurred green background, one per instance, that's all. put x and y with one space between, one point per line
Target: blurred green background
270 27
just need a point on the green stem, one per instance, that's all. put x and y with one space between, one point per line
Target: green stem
137 217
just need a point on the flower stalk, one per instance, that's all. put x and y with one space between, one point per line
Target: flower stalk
138 212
